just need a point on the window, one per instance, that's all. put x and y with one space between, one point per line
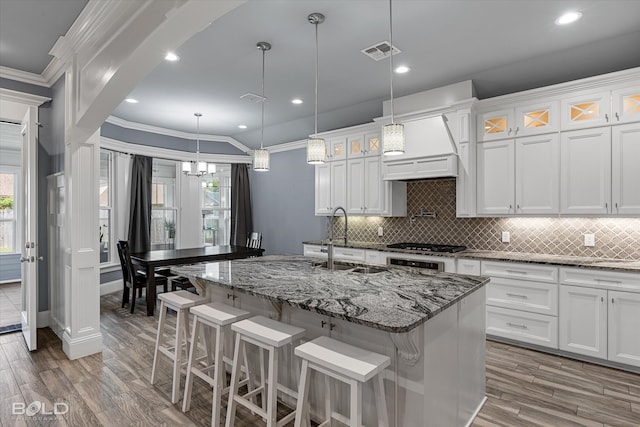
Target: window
163 205
8 211
10 189
106 205
216 206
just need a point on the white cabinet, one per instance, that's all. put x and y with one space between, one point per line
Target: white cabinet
600 314
364 145
337 148
468 266
531 119
585 183
624 327
583 321
625 170
365 186
586 110
519 176
589 109
599 171
330 186
537 175
496 177
522 302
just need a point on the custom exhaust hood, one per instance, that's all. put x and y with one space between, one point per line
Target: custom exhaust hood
430 152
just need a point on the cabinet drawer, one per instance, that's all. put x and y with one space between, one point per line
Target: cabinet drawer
348 254
468 266
535 297
376 257
313 251
522 326
539 273
629 282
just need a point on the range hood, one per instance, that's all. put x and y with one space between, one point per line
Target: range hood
430 152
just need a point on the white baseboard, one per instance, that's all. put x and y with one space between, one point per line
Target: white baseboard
81 347
111 287
42 319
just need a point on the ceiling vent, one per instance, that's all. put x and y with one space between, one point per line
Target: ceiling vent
253 97
380 50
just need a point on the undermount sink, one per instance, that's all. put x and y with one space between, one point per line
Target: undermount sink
354 268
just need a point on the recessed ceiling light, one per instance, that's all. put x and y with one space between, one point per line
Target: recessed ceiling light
296 101
242 126
401 69
131 100
171 57
568 18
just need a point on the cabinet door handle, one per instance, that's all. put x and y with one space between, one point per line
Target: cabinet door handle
606 206
517 325
517 130
516 272
601 299
617 117
517 295
517 207
606 117
510 207
509 132
617 208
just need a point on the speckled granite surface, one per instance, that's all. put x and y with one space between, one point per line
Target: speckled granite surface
396 300
622 265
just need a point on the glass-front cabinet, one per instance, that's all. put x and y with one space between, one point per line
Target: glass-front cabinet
626 104
364 145
587 110
532 119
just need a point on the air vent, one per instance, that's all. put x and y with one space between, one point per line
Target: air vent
380 50
253 97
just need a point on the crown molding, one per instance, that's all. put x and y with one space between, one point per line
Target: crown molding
287 146
166 153
175 133
23 76
22 97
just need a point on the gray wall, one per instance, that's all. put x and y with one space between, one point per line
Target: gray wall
10 267
283 203
25 87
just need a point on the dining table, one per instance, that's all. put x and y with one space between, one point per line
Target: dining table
150 260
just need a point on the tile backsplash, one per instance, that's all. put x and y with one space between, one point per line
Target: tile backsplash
615 237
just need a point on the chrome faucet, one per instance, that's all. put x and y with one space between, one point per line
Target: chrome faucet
330 265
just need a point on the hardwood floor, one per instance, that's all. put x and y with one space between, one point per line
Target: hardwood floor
524 387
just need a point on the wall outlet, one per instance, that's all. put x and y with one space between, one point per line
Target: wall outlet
506 237
380 231
589 239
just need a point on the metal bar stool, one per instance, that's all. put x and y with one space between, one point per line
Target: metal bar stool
181 302
353 366
269 335
217 317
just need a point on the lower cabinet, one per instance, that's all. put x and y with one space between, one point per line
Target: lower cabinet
601 318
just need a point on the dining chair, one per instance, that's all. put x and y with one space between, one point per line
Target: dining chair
254 240
132 278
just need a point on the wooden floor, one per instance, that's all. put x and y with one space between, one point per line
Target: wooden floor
524 387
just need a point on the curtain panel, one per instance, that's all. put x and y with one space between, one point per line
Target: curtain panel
140 218
241 215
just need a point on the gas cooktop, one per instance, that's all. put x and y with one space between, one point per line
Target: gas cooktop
427 247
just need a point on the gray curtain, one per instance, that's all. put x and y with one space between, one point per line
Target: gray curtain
140 217
241 218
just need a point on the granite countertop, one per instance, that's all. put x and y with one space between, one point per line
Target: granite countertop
396 300
622 265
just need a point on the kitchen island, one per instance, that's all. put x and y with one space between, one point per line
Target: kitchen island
430 324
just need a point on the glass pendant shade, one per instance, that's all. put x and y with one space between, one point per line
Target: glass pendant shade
202 168
393 139
316 151
186 167
261 160
211 168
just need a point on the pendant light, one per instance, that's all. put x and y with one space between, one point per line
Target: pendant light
393 133
202 168
316 147
261 156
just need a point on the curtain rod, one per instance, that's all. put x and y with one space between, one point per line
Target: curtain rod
132 154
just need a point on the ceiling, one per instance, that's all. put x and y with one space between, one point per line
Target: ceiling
504 46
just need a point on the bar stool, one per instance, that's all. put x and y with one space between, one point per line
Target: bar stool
269 335
217 317
351 365
181 302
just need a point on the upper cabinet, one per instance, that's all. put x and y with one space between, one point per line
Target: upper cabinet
532 119
608 107
364 145
337 148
